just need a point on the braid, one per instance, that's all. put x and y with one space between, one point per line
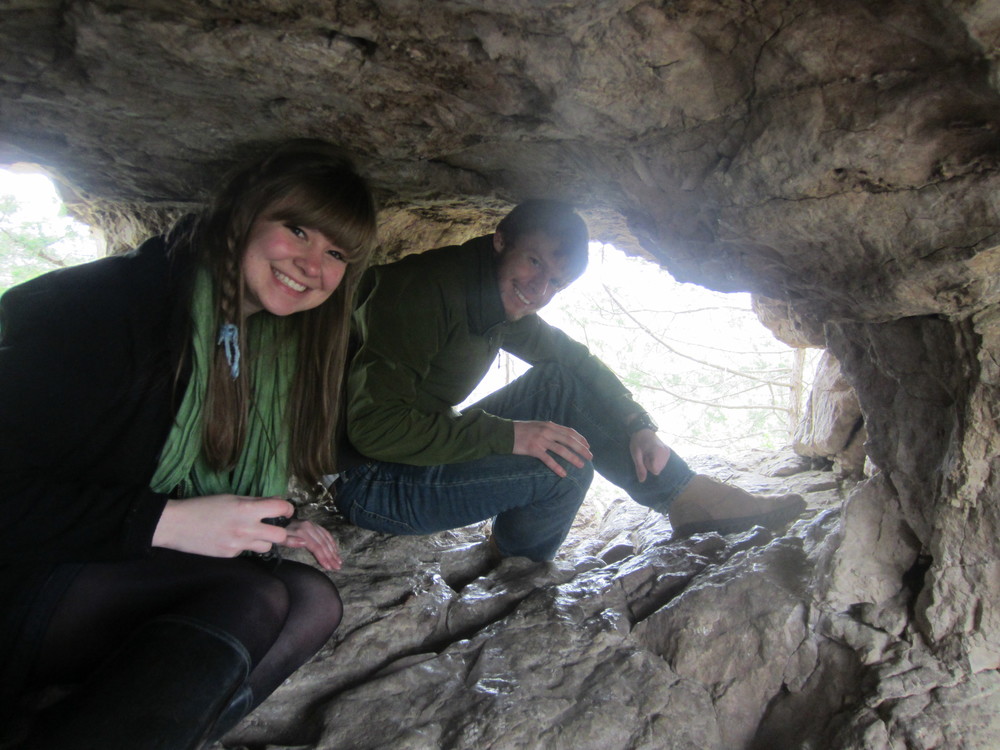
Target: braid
226 403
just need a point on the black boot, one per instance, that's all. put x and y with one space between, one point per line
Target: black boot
239 706
163 690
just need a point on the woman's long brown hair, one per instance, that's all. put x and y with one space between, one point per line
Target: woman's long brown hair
311 184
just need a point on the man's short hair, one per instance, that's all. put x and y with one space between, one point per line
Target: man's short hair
554 218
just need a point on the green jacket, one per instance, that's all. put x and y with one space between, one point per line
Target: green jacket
429 327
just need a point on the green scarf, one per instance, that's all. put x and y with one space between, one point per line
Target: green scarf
262 468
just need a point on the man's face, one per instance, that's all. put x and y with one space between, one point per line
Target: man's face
529 273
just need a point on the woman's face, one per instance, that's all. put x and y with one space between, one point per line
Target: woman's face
289 269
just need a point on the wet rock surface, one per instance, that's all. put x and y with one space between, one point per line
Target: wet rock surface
629 639
634 639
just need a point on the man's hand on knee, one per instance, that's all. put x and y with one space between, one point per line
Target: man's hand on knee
543 439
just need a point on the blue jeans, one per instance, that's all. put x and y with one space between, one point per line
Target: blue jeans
532 507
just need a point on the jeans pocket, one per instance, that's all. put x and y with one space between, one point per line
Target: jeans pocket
372 500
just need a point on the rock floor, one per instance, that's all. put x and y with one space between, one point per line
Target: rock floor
629 639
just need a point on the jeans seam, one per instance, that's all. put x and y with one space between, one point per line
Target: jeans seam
358 510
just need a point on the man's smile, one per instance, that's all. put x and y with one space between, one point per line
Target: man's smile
524 300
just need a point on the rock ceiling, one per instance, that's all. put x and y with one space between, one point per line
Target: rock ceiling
836 158
840 159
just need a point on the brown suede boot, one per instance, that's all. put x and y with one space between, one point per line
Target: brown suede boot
707 504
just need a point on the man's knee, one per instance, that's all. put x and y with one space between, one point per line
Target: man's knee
566 494
580 475
537 529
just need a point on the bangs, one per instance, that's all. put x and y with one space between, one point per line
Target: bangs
343 213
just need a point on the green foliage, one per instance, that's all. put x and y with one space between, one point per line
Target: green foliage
700 361
31 247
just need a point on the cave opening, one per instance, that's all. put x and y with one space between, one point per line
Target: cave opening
37 233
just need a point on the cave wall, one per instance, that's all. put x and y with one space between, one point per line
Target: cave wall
839 160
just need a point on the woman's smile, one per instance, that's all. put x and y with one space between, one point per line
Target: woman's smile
288 281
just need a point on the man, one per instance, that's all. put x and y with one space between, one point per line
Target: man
429 327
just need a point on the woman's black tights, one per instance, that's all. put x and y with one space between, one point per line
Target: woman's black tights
282 614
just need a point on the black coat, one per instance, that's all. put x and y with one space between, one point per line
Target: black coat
88 357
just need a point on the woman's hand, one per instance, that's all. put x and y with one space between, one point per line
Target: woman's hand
317 540
542 439
649 453
221 525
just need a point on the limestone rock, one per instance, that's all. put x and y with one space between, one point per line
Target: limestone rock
837 158
735 632
786 325
786 463
832 415
875 550
851 461
443 647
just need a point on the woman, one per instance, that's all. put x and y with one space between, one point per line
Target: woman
154 406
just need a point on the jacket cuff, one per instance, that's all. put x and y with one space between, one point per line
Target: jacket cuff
137 540
502 438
